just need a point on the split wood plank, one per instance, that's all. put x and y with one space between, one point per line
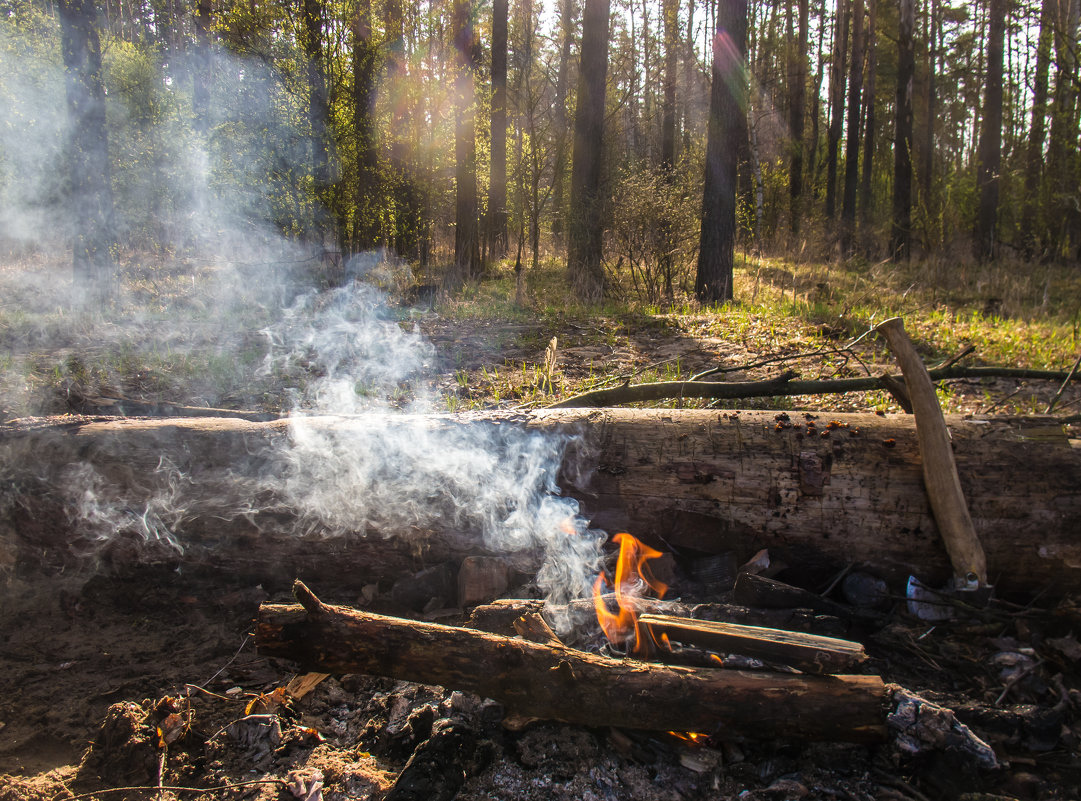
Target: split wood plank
810 653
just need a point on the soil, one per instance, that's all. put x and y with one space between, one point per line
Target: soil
151 680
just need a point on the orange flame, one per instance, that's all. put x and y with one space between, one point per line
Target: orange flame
633 577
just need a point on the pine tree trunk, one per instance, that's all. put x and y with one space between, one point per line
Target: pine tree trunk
670 14
901 238
365 69
312 33
727 126
1063 137
91 194
837 103
928 168
852 142
989 157
200 78
797 77
586 224
497 182
559 112
1037 132
467 261
870 126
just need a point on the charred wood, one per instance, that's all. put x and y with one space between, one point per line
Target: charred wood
558 683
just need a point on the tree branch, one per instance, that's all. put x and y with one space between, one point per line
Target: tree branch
784 385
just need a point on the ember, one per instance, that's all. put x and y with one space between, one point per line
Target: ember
633 578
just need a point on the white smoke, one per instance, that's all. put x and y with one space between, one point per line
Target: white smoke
220 295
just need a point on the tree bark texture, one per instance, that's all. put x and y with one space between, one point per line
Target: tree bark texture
989 157
837 102
1038 131
870 126
567 15
852 139
818 495
585 228
497 182
365 70
727 126
90 196
467 261
901 237
797 77
312 33
571 686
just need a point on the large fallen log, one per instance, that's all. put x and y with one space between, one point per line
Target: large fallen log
558 683
819 492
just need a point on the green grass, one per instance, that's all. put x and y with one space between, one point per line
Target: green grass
169 341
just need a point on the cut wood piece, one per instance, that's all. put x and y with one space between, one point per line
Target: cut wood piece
939 468
557 683
807 652
733 479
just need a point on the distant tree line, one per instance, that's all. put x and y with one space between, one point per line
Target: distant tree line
641 138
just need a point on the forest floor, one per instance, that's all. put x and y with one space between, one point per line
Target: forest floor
150 679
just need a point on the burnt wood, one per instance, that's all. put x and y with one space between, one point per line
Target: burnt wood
810 653
558 683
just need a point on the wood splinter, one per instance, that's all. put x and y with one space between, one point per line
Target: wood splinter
553 682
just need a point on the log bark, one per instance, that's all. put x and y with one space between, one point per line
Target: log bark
818 496
557 683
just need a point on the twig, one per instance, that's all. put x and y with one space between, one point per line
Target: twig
170 788
1054 400
223 667
950 362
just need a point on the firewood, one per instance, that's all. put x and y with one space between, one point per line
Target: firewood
807 652
559 683
939 468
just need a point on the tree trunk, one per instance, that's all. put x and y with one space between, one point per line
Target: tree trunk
312 33
91 194
901 238
870 126
837 103
497 182
558 683
989 158
567 16
727 125
585 244
467 260
1062 150
670 13
927 172
1037 132
201 71
365 69
818 496
797 77
852 141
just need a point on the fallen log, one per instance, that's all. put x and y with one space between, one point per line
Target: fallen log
558 683
820 492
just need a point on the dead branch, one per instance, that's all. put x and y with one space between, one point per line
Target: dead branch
784 385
